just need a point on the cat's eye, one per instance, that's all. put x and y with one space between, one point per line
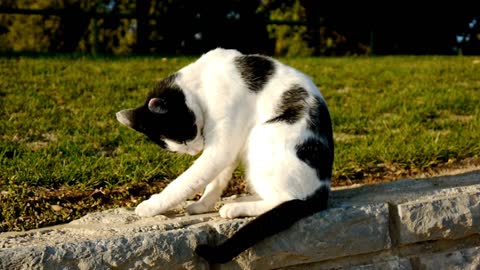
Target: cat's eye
157 105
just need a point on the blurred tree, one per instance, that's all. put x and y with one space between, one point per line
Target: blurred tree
313 27
69 29
290 39
468 40
111 34
180 26
27 32
403 28
197 26
301 27
42 33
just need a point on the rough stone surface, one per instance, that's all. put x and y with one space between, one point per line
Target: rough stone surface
337 232
409 190
393 263
467 259
172 249
446 218
399 264
408 224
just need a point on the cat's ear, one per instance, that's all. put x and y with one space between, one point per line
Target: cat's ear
157 105
126 117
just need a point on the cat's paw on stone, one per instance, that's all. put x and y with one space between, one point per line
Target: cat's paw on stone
148 208
229 210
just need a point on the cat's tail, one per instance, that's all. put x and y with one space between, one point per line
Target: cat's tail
272 222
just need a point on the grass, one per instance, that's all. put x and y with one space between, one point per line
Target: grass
63 154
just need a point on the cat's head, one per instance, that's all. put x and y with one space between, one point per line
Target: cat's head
166 119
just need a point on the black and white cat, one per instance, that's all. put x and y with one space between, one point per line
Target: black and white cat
241 107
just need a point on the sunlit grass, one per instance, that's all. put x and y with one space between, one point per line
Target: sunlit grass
58 130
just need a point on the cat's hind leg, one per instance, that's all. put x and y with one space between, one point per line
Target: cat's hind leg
212 192
246 209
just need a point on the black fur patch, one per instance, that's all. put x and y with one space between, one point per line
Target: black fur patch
316 154
255 70
320 122
318 151
177 123
292 105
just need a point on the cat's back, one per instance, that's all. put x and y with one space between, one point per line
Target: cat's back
220 53
218 59
229 80
211 75
216 69
255 73
286 90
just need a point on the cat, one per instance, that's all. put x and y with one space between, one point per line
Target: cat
231 107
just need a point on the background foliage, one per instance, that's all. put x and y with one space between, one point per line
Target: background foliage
291 27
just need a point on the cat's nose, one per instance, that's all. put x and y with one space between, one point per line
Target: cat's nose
124 117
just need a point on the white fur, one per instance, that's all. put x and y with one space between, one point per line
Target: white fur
232 121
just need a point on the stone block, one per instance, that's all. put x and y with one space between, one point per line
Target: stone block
466 259
335 233
398 264
444 218
151 250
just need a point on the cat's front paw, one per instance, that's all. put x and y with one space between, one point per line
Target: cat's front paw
199 208
149 208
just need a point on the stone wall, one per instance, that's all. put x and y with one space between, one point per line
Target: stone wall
408 224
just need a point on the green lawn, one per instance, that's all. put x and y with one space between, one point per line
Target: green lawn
63 153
